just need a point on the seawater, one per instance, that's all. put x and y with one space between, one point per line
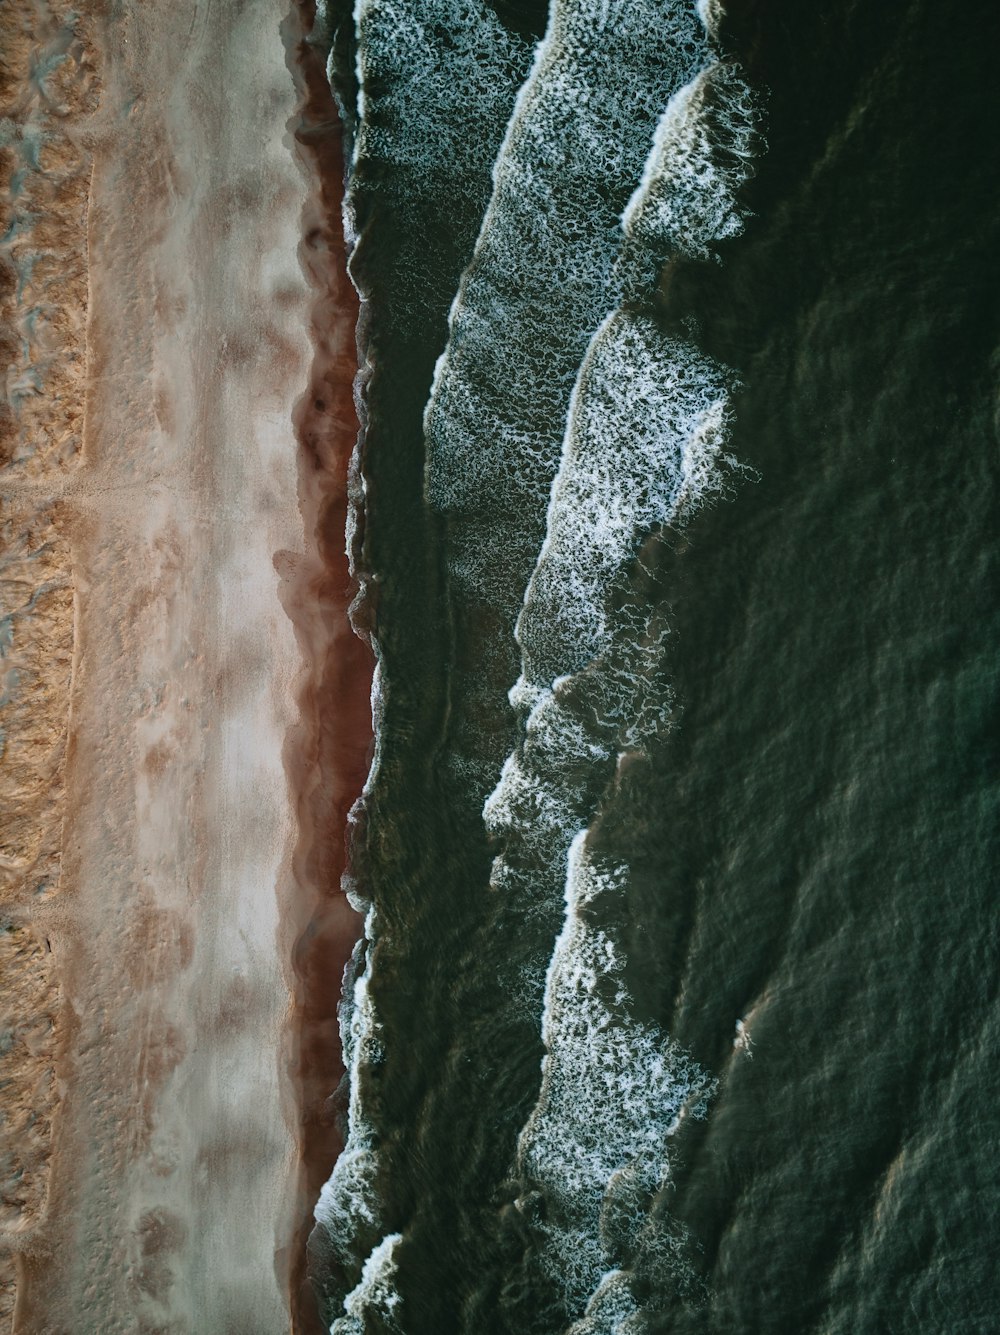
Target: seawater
677 1008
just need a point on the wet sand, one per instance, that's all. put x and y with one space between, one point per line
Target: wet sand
195 922
328 755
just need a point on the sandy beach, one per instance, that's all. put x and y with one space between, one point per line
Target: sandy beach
174 1191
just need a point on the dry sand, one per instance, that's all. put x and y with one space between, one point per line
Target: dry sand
174 1186
48 91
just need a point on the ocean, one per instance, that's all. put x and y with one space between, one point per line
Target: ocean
674 534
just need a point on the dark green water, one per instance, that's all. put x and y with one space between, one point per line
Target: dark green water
812 846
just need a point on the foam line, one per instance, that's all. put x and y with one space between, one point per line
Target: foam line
613 1093
375 1294
542 276
348 1207
643 449
436 83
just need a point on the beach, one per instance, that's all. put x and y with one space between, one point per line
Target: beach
185 520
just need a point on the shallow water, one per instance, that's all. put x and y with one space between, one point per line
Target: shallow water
796 805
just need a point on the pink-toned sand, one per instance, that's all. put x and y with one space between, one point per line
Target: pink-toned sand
329 754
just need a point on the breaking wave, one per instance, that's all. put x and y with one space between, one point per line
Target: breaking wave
643 449
643 444
349 1205
566 433
435 85
375 1294
542 276
614 1091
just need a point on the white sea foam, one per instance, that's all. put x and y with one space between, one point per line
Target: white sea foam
702 154
544 396
710 12
613 1093
644 445
542 276
644 438
349 1202
612 1310
375 1294
437 79
643 449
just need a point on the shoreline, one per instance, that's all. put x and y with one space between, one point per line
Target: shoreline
328 754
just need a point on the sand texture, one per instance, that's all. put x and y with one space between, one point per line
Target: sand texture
49 90
154 682
328 753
